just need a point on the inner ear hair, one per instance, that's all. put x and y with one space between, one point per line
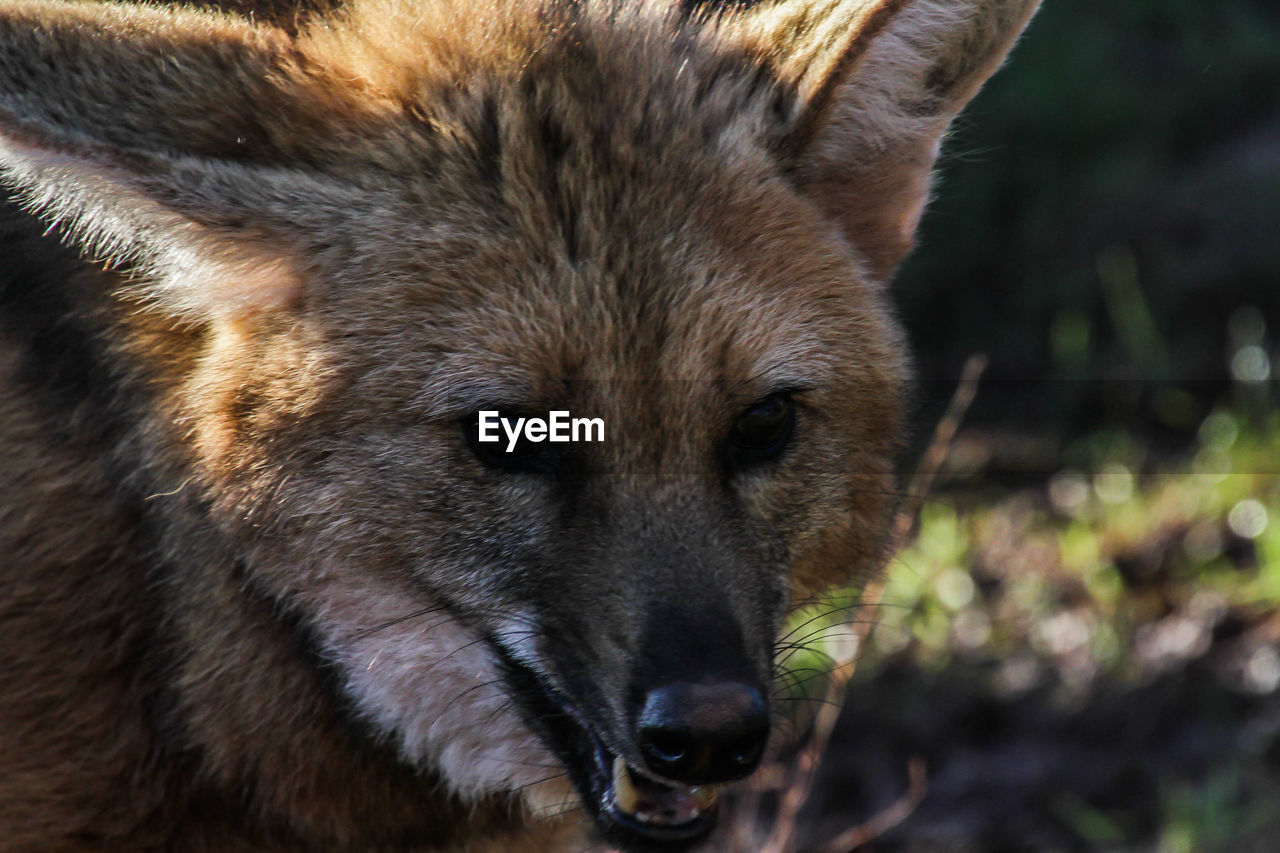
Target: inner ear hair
832 69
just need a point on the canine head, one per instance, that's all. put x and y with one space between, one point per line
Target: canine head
679 222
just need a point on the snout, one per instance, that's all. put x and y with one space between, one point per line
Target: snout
691 737
702 734
690 715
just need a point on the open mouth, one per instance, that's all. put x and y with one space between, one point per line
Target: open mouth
656 811
633 810
636 798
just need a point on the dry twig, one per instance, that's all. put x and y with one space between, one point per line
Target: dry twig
879 824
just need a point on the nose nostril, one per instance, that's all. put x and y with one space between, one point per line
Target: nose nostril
746 751
665 747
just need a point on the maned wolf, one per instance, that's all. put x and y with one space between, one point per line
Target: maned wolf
262 584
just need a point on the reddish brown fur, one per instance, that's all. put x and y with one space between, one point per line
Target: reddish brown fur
335 231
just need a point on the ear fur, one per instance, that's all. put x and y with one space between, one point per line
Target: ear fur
195 271
879 81
144 131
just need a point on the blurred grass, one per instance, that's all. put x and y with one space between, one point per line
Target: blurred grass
1076 568
1132 601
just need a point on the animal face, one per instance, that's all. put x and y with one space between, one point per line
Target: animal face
346 240
749 410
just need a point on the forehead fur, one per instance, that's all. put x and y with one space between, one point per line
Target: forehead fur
616 156
407 84
612 156
524 98
423 55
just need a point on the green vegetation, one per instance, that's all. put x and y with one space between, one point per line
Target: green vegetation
1121 612
1076 572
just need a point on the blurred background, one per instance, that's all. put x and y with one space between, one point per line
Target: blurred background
1079 648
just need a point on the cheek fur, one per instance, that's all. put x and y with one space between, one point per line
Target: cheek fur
430 685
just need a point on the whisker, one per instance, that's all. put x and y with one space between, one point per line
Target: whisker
360 635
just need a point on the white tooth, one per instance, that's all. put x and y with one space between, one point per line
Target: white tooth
704 797
625 796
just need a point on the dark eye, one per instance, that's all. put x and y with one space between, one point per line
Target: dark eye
761 433
526 457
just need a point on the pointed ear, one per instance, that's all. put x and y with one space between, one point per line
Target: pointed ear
146 133
878 83
187 254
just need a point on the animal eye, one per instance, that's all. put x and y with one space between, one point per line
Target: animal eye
525 457
761 433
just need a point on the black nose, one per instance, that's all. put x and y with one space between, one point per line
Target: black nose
702 734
